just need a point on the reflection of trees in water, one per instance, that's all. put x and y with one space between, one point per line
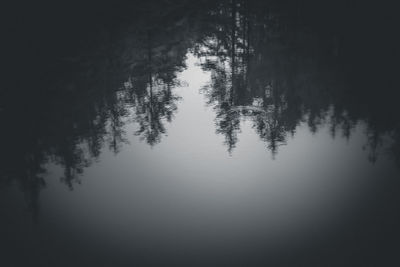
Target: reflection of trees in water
154 102
239 84
71 117
264 68
152 109
267 69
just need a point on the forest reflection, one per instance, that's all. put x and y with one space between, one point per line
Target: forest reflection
267 65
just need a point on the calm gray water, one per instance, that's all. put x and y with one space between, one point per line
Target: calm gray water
221 138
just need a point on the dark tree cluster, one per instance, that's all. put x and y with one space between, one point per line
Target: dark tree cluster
75 84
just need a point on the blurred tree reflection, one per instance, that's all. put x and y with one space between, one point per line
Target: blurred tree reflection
270 64
267 69
70 116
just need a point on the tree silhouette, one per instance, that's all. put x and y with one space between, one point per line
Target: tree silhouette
274 64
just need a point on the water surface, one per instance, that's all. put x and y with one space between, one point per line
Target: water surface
224 133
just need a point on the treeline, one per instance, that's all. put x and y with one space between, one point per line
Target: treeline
69 111
79 72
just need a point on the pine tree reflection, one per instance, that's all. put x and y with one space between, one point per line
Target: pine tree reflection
266 64
234 90
266 68
84 107
154 100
